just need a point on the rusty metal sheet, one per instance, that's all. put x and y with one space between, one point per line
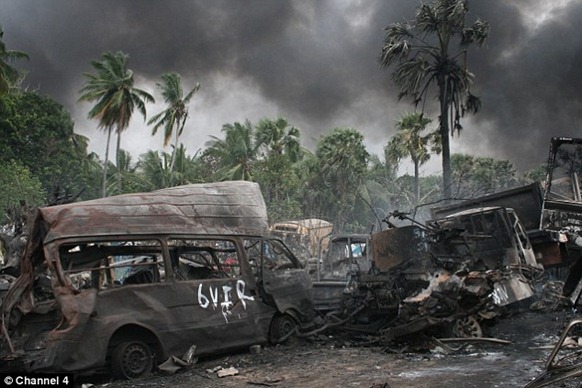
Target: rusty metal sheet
176 315
527 201
507 291
327 295
223 208
397 246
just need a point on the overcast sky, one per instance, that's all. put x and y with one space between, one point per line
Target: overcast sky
313 62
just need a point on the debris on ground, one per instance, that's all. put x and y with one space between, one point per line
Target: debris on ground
174 364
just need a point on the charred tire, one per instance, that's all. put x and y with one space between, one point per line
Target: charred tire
131 359
467 327
282 327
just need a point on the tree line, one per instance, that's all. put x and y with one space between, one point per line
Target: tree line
43 161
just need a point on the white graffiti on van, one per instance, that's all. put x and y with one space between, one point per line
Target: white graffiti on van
226 304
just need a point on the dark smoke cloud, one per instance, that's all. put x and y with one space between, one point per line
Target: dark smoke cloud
312 62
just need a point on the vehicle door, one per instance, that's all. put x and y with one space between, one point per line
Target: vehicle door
222 311
283 281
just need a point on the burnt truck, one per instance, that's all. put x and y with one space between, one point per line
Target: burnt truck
304 238
551 213
123 283
448 274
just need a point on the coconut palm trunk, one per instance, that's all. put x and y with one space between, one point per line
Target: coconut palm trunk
105 164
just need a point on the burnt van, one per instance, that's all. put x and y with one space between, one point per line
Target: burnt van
124 282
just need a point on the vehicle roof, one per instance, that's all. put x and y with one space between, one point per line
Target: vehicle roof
309 223
360 237
221 208
477 210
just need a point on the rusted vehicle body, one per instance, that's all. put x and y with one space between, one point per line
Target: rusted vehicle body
306 232
124 282
451 273
303 237
343 255
551 212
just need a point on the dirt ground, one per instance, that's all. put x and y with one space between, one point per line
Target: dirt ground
333 361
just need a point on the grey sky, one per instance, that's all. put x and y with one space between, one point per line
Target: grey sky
313 62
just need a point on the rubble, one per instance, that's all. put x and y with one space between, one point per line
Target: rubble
452 274
232 371
174 364
435 287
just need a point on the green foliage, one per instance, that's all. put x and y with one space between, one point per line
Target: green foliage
476 176
409 143
280 185
336 177
537 174
173 118
19 186
124 177
112 87
153 170
425 60
279 150
236 153
277 137
569 159
38 132
10 77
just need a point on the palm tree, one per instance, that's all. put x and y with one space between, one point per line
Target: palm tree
173 118
154 170
281 145
112 88
126 173
409 143
236 153
8 74
424 57
342 162
278 138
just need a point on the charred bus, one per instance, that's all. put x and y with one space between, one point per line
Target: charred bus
124 282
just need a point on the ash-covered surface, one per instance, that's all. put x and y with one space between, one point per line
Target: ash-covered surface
328 361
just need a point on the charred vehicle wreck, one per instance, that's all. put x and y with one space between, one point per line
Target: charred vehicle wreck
122 283
451 274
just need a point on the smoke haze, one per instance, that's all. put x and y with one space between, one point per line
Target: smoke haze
313 62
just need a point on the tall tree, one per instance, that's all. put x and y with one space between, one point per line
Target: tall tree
569 159
173 118
187 169
278 138
425 56
337 176
38 132
236 153
19 185
9 76
408 142
154 170
280 143
126 173
112 86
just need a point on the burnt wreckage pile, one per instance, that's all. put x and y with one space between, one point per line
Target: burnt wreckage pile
122 283
450 274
